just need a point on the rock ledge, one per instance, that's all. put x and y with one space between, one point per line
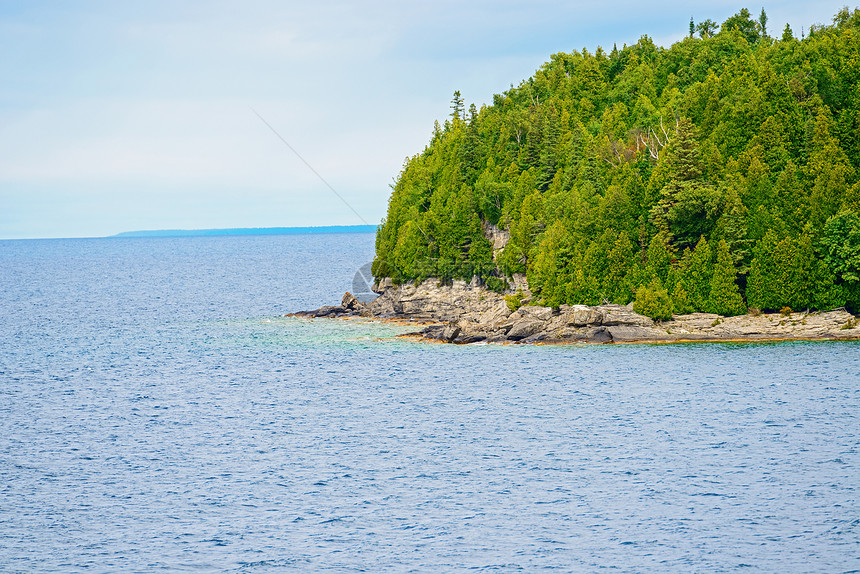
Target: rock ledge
463 313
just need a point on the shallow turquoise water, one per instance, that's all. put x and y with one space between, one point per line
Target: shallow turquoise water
157 412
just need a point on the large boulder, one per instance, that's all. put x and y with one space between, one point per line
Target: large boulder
622 315
350 301
581 315
599 335
353 305
449 333
525 328
533 312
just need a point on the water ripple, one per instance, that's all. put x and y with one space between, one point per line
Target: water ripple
156 415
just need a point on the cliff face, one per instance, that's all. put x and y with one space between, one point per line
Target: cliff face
462 312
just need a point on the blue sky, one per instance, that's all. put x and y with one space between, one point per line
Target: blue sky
119 116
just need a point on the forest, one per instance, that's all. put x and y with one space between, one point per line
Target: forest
717 175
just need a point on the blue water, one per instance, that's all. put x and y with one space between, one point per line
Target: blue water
158 414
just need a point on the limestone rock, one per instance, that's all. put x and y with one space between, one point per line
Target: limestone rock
582 315
464 312
497 237
599 335
621 315
449 333
468 339
329 311
524 328
534 312
628 333
350 301
382 285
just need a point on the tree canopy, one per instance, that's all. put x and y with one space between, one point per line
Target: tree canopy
713 175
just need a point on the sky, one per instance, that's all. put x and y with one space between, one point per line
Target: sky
181 114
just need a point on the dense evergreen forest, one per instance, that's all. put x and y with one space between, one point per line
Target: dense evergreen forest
717 175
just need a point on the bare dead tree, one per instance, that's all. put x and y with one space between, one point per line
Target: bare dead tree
652 141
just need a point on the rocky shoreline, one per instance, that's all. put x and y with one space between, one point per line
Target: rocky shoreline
464 313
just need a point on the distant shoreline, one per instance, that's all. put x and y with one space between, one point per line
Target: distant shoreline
250 231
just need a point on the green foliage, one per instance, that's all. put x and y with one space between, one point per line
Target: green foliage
786 272
725 297
653 301
743 23
725 167
841 245
496 284
681 301
514 301
697 271
707 28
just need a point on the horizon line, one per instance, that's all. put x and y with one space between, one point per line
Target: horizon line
220 231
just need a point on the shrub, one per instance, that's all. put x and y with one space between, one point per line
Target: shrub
514 301
653 301
496 284
681 301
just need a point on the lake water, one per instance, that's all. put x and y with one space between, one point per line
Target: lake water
157 413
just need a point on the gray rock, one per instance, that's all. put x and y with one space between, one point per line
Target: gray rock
582 315
354 305
525 328
467 339
572 334
622 333
329 311
430 332
538 338
535 312
621 315
599 335
350 301
496 236
465 312
382 285
449 333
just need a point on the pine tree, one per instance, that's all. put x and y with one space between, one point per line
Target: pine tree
744 24
688 205
544 276
769 272
762 24
812 283
707 29
725 297
841 244
619 260
653 301
458 108
697 275
658 258
763 156
681 301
